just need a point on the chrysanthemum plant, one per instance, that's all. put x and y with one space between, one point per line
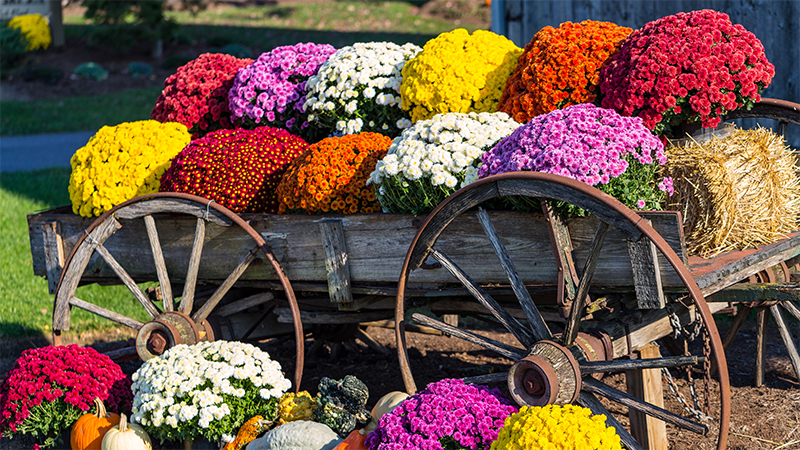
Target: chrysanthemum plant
331 176
35 29
208 389
447 415
684 68
358 89
434 158
597 146
458 72
560 67
272 90
49 388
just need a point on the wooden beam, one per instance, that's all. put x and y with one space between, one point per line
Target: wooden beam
53 253
757 292
761 344
646 273
337 265
646 384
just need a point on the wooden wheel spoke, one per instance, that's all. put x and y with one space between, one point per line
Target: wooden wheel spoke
596 387
589 367
158 259
537 324
187 299
788 341
226 285
128 281
489 378
105 313
496 346
588 400
508 321
792 308
571 329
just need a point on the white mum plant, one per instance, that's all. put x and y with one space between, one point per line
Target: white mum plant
358 89
209 389
434 158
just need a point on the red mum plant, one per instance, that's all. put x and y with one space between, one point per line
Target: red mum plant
688 67
239 169
331 176
197 94
49 388
560 67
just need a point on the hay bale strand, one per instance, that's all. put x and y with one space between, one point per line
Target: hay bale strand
735 192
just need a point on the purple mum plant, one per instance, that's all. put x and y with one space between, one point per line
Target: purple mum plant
616 154
272 90
446 415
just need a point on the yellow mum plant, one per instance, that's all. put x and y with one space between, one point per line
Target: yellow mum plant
35 29
458 72
555 427
122 162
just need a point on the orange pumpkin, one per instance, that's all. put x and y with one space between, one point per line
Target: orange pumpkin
353 441
89 429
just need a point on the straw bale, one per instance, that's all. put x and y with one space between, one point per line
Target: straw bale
735 192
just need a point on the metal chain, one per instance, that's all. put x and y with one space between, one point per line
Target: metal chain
707 371
674 320
673 387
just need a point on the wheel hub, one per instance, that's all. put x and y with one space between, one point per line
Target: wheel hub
167 330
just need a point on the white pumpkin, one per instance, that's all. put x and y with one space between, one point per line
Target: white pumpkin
384 406
126 436
297 435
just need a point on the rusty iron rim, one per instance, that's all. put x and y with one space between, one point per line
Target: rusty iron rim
257 238
642 226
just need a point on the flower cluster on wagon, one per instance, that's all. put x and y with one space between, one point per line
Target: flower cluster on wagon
378 128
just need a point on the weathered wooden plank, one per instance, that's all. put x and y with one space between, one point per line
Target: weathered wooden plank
336 260
187 299
788 340
158 259
761 344
307 317
646 384
597 387
103 312
376 243
646 274
757 292
562 250
53 253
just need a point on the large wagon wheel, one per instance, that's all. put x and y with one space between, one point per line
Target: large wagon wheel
785 113
552 368
190 322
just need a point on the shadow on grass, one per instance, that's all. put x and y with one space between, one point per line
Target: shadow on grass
48 186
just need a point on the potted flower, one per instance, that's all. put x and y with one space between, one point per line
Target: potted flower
685 68
49 388
597 146
447 414
434 158
197 94
358 89
121 162
239 169
208 390
560 67
272 90
331 176
458 72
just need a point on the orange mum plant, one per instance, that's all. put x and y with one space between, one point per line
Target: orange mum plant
331 176
560 67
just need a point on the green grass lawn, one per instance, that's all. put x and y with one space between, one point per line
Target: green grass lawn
26 308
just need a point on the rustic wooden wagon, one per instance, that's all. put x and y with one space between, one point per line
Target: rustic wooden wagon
583 297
